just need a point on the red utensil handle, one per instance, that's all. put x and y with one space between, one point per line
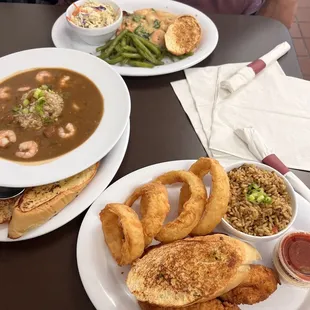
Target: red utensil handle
273 161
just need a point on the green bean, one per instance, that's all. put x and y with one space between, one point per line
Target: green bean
143 50
128 48
123 43
132 55
142 64
170 56
151 46
104 47
162 56
114 61
130 43
125 61
118 48
115 56
148 58
110 49
102 56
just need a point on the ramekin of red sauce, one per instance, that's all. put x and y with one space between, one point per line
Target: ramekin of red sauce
292 258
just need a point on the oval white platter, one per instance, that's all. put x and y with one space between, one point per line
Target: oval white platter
117 107
106 172
104 280
64 37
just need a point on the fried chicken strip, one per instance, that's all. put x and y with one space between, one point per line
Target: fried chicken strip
259 285
214 304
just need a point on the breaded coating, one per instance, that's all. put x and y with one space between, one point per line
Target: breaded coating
214 304
259 285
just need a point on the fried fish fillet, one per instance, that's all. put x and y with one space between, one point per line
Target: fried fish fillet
260 283
183 35
214 304
190 271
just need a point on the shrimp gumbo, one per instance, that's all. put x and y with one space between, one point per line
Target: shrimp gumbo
47 112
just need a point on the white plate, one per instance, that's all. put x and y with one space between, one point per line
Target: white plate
63 36
104 280
111 127
106 172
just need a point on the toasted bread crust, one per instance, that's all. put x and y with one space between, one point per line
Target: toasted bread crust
190 271
214 304
6 209
183 35
37 205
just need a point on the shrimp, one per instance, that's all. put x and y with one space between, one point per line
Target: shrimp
24 88
6 137
158 37
44 77
64 81
66 132
5 93
27 149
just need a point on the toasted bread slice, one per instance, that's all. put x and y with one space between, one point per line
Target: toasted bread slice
6 209
190 271
37 205
183 35
214 304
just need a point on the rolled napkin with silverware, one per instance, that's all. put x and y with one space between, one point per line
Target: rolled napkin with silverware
249 72
263 153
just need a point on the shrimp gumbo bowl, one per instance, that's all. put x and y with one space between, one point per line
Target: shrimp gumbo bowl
60 112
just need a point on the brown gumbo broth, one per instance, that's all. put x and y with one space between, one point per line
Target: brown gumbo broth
36 104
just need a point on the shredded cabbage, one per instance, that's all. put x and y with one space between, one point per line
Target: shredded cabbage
93 14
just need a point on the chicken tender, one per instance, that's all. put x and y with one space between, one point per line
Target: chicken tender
259 285
214 304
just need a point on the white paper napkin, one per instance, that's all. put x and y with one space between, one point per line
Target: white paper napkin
276 105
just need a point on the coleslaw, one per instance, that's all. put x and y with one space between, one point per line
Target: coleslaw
93 14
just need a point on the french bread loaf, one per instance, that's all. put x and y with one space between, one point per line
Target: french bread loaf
39 204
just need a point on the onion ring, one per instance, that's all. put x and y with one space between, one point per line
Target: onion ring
217 204
123 233
192 209
154 207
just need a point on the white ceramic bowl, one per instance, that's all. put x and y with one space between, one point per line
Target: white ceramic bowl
95 36
251 238
111 127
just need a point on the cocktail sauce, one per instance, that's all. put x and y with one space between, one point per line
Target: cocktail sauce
295 254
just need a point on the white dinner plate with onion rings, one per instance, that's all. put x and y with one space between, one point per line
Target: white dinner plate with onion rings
115 117
106 172
104 280
64 37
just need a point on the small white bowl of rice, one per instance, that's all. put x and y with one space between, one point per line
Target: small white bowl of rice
262 206
94 21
